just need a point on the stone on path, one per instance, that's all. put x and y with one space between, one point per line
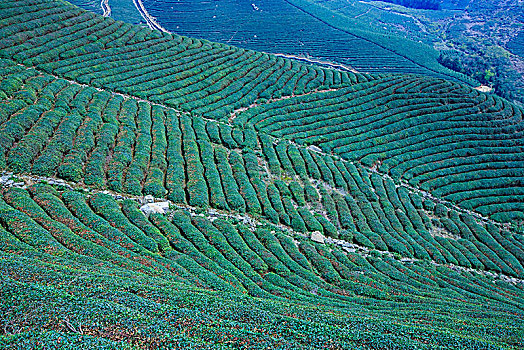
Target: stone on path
159 207
318 237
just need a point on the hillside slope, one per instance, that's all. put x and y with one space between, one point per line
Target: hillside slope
297 28
300 28
443 137
416 189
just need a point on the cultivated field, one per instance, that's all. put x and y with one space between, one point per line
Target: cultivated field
308 207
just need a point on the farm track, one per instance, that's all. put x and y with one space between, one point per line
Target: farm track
188 195
255 104
318 62
124 180
104 4
150 20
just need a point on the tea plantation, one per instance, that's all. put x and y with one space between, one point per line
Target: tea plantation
308 208
302 28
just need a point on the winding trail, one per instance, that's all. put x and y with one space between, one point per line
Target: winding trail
253 222
235 113
104 4
150 20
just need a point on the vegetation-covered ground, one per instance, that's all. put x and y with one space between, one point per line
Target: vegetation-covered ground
295 28
476 42
481 39
415 182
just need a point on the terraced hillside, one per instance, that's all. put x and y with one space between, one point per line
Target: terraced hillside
454 142
308 207
301 28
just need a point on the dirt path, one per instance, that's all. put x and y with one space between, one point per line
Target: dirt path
150 20
237 111
412 189
22 181
105 7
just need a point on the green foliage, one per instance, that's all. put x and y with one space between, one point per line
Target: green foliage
227 271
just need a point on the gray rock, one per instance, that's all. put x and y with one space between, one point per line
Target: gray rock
163 205
151 208
148 199
318 237
315 148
